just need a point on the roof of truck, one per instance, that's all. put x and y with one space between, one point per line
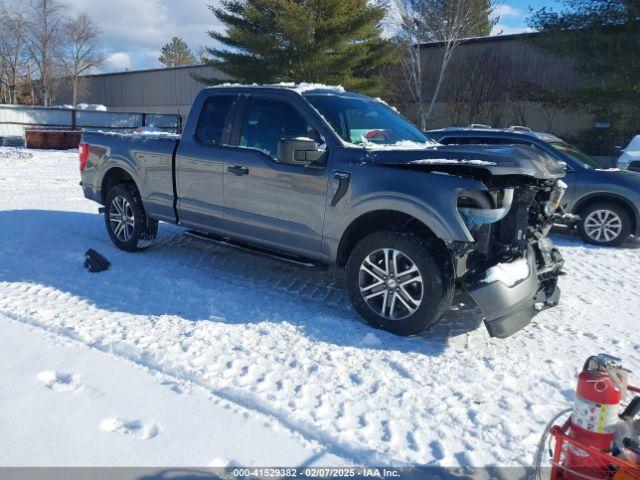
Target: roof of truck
296 87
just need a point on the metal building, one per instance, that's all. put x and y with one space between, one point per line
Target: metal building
160 90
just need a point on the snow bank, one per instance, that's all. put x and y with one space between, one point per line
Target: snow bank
91 106
508 273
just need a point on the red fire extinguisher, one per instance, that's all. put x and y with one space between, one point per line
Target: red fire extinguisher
595 412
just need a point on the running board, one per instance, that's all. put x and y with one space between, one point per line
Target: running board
252 250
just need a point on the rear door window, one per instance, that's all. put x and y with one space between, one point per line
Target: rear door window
213 119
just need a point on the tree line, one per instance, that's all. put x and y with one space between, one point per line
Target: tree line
40 45
374 47
370 46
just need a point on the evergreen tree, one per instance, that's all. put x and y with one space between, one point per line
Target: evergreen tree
328 41
485 20
601 38
176 54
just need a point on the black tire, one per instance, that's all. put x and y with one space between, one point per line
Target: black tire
437 283
620 212
144 229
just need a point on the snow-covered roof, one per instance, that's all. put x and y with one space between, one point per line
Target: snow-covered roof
296 87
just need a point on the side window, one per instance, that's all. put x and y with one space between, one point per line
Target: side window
269 120
466 141
483 141
451 140
213 119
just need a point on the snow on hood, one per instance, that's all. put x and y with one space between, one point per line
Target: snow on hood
450 161
497 160
401 145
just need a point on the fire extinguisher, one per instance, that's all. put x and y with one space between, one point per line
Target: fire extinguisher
595 412
598 397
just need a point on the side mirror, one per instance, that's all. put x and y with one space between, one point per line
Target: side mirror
300 151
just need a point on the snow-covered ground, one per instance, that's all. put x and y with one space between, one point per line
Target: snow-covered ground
193 354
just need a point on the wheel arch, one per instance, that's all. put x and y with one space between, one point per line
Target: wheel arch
622 202
379 220
115 175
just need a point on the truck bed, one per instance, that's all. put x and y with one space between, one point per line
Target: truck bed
148 157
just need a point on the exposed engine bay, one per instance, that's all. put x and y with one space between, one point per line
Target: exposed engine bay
509 222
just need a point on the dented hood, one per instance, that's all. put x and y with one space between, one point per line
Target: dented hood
495 159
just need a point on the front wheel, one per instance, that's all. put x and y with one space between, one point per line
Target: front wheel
605 224
397 284
127 224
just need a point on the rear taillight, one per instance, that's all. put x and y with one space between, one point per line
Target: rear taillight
83 155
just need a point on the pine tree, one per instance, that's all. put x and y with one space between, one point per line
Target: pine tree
485 19
328 41
176 54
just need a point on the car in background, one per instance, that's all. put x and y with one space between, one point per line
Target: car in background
630 156
606 200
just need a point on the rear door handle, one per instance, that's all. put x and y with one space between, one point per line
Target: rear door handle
238 170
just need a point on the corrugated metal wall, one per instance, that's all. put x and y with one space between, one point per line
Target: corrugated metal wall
515 57
14 119
168 90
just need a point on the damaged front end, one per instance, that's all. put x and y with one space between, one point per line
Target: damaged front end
511 270
508 265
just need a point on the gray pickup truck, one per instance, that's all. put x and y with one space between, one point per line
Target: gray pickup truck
327 177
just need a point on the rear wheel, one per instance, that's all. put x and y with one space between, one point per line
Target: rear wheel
127 224
397 284
605 224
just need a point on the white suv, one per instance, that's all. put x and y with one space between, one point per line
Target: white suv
630 157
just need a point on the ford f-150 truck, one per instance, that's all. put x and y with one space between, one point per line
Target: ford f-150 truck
320 175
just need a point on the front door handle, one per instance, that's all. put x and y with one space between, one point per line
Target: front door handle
238 170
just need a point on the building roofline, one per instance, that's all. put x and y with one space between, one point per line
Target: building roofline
146 70
491 38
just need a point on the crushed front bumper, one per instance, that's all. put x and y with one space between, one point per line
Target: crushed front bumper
508 309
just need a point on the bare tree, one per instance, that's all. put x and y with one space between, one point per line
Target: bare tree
449 22
43 41
79 50
445 21
455 92
411 33
481 83
13 56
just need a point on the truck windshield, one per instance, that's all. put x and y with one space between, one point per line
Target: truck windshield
577 156
364 121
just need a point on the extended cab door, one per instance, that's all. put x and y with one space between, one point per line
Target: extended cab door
269 203
200 162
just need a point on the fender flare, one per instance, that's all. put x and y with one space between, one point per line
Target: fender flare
122 163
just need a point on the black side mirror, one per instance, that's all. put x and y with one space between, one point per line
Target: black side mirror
300 151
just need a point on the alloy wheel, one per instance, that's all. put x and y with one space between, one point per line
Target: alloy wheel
121 218
603 226
391 284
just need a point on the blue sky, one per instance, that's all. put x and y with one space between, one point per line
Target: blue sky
133 31
514 13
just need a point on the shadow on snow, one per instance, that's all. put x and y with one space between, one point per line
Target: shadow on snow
197 281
